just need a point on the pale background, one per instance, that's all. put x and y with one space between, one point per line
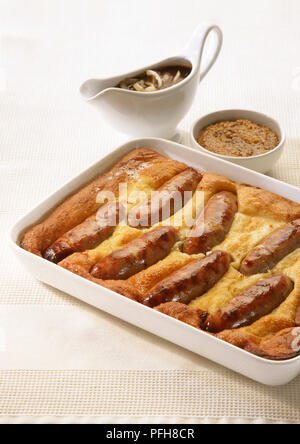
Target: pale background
61 360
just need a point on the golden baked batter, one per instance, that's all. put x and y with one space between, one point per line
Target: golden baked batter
213 284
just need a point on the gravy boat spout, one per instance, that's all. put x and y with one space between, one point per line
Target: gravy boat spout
156 113
94 87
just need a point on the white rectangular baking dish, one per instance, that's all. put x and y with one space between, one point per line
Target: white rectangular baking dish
259 369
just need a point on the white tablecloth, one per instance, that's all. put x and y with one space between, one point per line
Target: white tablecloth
60 360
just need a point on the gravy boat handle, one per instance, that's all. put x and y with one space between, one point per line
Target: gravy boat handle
196 46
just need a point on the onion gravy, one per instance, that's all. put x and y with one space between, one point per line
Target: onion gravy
156 80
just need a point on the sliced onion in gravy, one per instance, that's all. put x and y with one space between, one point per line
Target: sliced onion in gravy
138 87
127 83
156 76
177 77
155 80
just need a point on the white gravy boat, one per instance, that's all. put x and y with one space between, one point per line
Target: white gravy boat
155 114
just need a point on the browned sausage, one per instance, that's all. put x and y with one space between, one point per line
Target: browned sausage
272 250
167 201
86 236
137 255
213 225
252 304
191 281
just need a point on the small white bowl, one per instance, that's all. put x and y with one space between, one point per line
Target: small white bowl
262 163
